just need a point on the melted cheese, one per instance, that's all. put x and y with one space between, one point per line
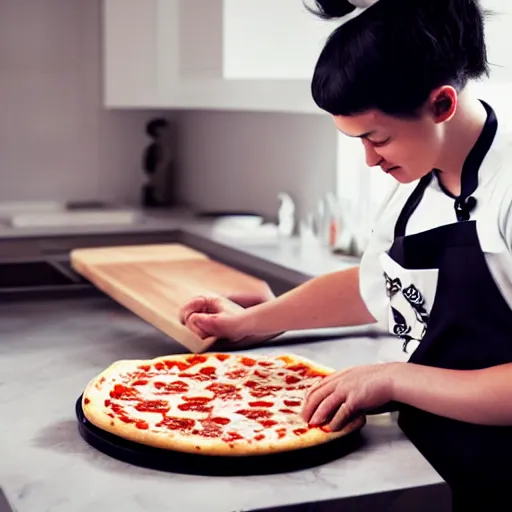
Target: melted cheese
274 375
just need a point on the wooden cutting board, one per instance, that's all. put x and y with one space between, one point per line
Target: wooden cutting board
154 281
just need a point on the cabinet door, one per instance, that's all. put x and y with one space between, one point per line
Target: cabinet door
269 39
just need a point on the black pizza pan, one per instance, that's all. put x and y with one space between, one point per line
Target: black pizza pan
212 465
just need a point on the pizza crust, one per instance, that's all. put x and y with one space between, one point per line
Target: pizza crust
97 391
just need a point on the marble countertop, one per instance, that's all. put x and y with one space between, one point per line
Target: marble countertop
50 350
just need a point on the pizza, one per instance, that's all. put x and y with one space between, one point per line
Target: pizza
210 404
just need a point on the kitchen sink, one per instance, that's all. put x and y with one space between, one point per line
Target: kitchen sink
33 278
31 274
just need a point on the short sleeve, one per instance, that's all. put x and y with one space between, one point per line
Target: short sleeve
372 284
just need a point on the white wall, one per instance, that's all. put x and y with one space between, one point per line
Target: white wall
56 141
242 160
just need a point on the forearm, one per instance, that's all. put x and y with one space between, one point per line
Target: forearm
331 300
476 396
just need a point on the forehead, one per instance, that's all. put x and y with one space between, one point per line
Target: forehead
366 124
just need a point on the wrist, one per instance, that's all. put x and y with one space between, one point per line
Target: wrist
249 320
398 375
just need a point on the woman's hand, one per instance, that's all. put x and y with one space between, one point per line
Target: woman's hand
215 316
340 397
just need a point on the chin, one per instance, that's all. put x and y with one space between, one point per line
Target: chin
404 177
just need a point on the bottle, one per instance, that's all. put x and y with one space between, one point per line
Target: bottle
286 215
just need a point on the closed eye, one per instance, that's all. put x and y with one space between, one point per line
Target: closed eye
379 143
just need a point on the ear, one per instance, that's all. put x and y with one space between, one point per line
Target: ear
443 103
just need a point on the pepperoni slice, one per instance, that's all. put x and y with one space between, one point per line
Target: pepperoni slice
195 406
300 368
121 392
197 359
300 431
220 421
229 437
261 403
281 432
259 437
267 423
176 364
247 361
121 414
197 399
222 357
292 403
201 377
208 370
224 391
254 414
173 423
291 379
240 373
175 387
262 391
160 406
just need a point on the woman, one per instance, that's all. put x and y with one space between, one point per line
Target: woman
438 270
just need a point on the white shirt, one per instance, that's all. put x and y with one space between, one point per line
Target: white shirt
493 215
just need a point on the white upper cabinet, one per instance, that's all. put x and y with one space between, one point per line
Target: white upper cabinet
215 54
269 39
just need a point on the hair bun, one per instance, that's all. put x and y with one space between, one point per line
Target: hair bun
328 9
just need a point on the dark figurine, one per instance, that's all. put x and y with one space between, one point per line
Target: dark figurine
157 164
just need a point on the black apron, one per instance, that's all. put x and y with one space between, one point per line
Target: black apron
469 327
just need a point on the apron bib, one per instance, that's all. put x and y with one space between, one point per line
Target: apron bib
446 306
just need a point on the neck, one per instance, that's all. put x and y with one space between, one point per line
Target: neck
461 134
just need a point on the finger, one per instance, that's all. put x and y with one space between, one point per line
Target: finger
208 324
314 400
192 326
202 324
195 305
326 380
345 413
326 410
322 382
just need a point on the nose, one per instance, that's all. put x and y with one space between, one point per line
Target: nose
372 157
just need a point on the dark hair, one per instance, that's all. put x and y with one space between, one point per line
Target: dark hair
395 53
153 126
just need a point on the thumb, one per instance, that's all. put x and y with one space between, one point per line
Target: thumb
217 325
